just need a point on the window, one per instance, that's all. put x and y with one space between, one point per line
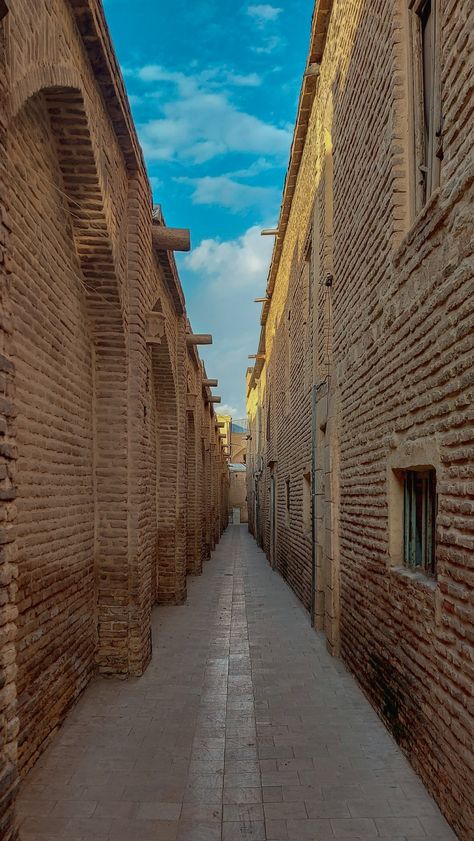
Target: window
269 409
419 520
307 503
426 97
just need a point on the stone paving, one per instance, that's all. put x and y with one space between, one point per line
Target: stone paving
242 729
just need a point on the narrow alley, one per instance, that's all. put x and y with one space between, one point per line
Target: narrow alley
243 727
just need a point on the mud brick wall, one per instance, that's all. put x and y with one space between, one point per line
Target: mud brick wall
8 567
98 523
54 382
391 353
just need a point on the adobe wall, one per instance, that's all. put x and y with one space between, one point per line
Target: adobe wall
8 569
391 355
94 331
54 386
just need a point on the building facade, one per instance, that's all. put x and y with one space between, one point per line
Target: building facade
113 477
234 435
359 461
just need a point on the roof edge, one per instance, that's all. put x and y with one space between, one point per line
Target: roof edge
319 28
94 31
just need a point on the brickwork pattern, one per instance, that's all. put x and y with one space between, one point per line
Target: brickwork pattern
8 548
104 527
54 384
391 359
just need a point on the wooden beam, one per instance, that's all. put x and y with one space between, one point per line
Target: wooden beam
261 300
213 399
171 239
256 356
210 383
199 339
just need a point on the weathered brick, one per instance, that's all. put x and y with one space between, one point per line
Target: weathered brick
105 513
386 338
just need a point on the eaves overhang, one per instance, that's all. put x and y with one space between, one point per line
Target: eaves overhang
319 28
93 29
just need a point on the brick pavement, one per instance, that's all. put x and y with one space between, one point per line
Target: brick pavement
242 729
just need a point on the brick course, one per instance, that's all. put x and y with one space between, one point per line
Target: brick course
111 504
389 347
8 451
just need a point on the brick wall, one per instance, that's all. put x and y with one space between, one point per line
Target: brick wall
107 522
386 349
54 385
8 567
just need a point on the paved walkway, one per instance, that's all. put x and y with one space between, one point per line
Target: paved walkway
242 729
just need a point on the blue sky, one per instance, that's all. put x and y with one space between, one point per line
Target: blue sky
213 86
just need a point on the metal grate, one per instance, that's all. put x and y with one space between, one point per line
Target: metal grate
419 517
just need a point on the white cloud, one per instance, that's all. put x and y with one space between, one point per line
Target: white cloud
270 45
236 264
199 121
255 168
213 78
226 409
224 191
204 125
263 13
247 80
228 276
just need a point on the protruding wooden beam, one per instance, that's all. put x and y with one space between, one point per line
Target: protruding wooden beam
211 383
213 399
261 300
171 239
256 356
198 338
269 232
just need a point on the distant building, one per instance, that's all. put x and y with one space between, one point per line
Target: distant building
235 440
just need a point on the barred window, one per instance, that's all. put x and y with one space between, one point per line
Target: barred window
419 520
287 502
426 96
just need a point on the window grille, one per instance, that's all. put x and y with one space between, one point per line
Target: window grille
427 105
419 517
287 502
